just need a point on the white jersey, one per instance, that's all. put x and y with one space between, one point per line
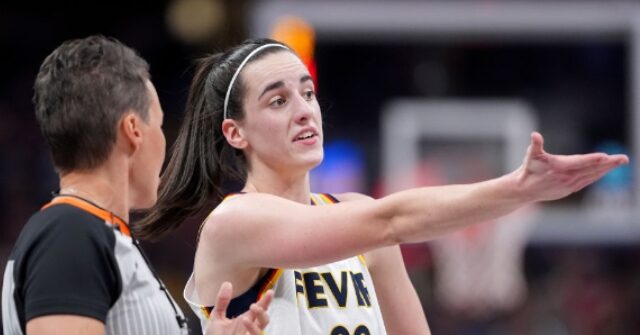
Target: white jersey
333 299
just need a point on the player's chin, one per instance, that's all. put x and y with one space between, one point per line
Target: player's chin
312 159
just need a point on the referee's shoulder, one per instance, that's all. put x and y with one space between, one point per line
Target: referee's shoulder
68 220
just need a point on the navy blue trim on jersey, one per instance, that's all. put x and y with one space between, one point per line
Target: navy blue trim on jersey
328 195
241 303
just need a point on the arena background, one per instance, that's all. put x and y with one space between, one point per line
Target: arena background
568 67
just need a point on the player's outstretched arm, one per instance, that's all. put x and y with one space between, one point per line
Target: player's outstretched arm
311 235
424 213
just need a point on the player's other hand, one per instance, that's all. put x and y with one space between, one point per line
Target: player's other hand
251 322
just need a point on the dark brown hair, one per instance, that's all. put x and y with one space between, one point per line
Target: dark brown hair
201 160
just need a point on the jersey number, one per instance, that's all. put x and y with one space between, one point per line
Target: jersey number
360 330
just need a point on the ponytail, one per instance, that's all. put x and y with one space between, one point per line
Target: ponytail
195 173
202 161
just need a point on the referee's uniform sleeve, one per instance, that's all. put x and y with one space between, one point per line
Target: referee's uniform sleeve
71 269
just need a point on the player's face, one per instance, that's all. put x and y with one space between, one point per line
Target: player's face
146 169
283 123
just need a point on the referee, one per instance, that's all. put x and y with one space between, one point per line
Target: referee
76 268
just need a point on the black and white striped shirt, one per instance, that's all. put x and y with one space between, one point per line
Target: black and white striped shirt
75 258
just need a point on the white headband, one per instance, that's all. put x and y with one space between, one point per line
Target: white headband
235 75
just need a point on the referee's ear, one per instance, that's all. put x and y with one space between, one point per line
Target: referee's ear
130 129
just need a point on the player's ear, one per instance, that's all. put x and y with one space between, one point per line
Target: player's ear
234 134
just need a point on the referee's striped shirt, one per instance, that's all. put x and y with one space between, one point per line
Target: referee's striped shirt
73 257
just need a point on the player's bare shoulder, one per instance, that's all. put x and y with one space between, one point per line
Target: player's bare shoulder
245 210
224 220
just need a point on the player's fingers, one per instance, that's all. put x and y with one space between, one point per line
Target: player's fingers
222 302
588 179
251 327
592 172
262 318
537 144
577 163
265 300
620 158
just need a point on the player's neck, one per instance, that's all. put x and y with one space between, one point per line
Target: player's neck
293 188
100 187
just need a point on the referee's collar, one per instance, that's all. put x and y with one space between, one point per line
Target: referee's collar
92 208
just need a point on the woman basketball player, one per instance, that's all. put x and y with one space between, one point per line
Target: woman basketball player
332 260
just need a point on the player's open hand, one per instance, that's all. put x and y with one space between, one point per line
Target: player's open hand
544 176
251 322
